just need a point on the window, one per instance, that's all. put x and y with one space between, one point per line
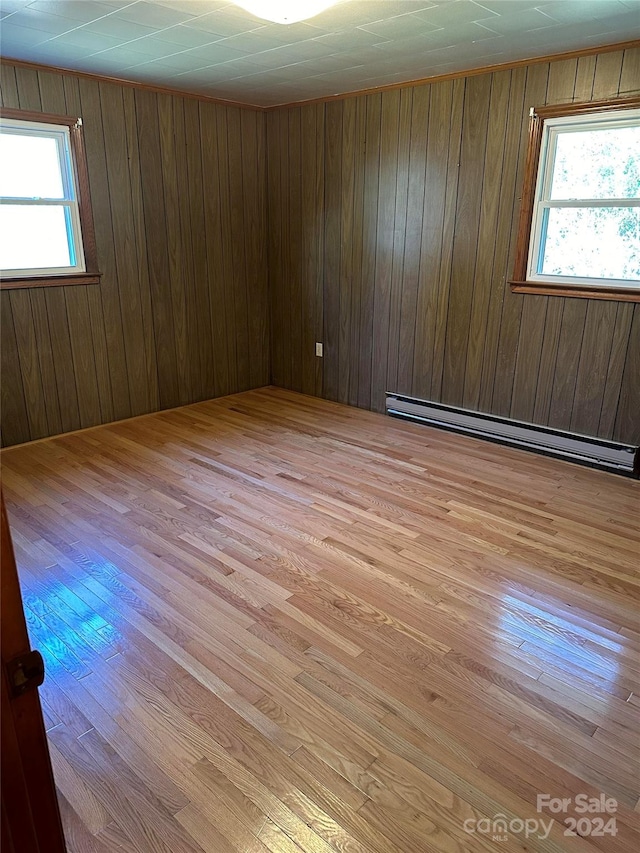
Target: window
46 227
579 231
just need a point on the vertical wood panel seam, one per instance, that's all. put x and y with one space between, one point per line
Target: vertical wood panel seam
624 362
411 379
151 331
455 207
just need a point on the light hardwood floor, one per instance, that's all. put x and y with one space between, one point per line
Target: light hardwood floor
274 623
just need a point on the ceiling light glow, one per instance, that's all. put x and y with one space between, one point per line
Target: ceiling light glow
285 11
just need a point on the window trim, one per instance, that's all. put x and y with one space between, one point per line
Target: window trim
90 275
519 282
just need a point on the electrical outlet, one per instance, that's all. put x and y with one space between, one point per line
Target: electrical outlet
319 350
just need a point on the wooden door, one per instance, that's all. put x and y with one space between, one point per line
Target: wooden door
30 815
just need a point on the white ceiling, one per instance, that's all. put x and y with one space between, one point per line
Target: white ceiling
215 48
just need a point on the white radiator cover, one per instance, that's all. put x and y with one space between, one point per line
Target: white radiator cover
600 453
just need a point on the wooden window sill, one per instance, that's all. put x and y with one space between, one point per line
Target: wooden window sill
50 281
544 288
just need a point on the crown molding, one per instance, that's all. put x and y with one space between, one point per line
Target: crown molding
470 72
438 78
120 81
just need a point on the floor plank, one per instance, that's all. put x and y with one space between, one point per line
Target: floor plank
276 623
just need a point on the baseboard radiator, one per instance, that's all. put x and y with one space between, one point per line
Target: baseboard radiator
599 453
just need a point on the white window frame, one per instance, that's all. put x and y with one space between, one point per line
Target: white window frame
552 129
560 286
61 134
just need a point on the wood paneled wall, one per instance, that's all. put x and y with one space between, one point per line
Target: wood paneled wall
178 191
392 222
390 237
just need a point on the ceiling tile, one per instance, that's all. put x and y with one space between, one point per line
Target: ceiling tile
193 7
505 7
225 23
123 55
301 31
42 21
519 22
184 37
236 68
113 25
276 75
304 50
348 40
81 11
398 28
11 6
143 74
313 67
201 77
438 39
251 42
152 48
285 55
359 12
455 12
178 62
14 37
154 14
214 47
567 13
269 58
44 55
216 52
103 63
92 42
